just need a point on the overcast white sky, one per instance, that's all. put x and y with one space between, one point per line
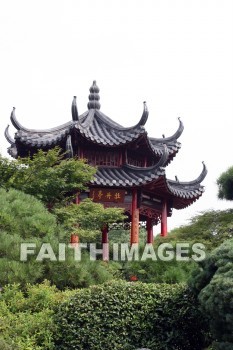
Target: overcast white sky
175 54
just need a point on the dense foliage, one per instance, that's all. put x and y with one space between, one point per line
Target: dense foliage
213 283
24 219
26 316
225 185
47 175
159 271
210 228
119 315
87 216
124 315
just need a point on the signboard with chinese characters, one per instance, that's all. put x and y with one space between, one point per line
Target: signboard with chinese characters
107 195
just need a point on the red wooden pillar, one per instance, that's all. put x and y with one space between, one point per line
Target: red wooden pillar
77 199
164 219
135 219
105 243
149 229
74 239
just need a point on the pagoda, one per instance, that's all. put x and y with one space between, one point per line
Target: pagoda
130 164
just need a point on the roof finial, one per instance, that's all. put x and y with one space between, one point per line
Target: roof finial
74 110
94 97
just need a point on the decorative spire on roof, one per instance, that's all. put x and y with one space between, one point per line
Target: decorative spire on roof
94 97
144 116
74 110
192 183
172 138
15 122
8 137
200 178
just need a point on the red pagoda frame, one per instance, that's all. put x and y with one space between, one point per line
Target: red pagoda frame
130 164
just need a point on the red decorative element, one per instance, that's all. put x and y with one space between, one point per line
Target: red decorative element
77 199
149 212
164 220
149 228
135 219
107 195
104 234
74 238
133 278
105 243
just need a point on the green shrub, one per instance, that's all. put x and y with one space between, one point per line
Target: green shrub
160 271
25 215
5 346
124 315
157 270
26 321
24 219
213 283
81 274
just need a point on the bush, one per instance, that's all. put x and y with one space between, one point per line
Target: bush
26 316
213 283
81 274
121 315
23 219
5 346
159 271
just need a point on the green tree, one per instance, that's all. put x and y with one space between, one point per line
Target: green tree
8 168
24 219
213 283
87 216
48 176
225 185
52 179
210 228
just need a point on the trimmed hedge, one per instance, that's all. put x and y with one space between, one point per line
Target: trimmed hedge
128 315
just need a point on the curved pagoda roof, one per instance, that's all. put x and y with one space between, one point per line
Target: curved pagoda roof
97 128
94 126
182 194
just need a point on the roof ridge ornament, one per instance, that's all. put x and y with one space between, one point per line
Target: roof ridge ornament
94 97
200 178
16 123
172 138
144 116
74 110
8 136
195 182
